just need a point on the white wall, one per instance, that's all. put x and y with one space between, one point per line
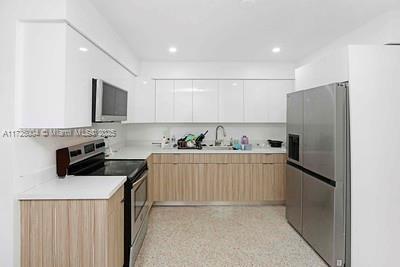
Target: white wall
216 70
330 63
381 30
147 133
8 223
84 16
375 186
25 162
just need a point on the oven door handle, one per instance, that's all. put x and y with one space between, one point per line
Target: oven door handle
144 175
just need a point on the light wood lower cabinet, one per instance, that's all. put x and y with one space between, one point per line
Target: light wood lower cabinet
259 177
73 232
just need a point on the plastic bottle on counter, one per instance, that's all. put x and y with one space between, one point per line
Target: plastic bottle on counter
245 140
163 142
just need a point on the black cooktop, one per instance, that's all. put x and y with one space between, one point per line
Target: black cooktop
109 167
119 167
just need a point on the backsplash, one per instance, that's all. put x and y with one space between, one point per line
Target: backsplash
36 157
256 132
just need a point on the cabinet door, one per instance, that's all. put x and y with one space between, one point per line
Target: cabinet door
276 99
205 101
143 102
80 55
255 101
164 100
165 184
230 106
116 230
183 101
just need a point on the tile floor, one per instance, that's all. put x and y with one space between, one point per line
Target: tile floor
224 236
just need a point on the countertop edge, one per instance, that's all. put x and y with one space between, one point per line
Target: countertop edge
27 196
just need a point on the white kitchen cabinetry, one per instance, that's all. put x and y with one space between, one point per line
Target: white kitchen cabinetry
51 92
225 101
265 100
255 101
205 101
183 101
230 104
276 100
164 101
143 102
55 67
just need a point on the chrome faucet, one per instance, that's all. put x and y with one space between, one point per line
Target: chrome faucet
218 142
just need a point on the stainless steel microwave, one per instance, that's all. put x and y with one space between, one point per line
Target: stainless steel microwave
109 103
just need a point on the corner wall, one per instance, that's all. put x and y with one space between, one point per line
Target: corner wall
26 162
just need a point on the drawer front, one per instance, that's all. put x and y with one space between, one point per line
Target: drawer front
172 158
274 158
212 158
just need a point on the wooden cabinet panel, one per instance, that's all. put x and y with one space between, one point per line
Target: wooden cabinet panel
164 182
218 177
279 182
274 158
116 235
256 178
212 158
267 179
172 158
187 191
72 232
81 220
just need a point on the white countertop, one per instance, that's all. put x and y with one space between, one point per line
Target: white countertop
144 151
75 187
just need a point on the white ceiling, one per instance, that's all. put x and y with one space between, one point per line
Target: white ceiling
235 30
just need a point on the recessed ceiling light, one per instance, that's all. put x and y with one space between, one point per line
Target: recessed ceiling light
276 49
234 84
144 82
248 1
172 49
83 49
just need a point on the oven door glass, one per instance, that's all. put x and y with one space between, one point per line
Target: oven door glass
140 198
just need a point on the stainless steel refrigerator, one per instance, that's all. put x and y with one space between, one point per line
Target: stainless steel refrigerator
318 170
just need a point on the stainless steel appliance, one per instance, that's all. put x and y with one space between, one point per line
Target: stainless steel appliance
318 170
109 103
139 212
89 159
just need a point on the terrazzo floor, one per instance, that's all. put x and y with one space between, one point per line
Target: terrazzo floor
224 236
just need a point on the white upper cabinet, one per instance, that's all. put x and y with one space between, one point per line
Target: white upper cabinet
55 68
276 100
183 101
265 100
164 101
205 101
255 101
230 101
51 92
143 102
225 101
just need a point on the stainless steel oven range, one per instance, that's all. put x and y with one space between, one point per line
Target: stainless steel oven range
89 159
